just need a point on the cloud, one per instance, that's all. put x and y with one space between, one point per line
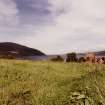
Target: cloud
8 12
78 25
8 19
33 11
54 26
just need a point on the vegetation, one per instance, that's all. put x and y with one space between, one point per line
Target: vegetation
51 83
56 59
71 57
7 57
81 59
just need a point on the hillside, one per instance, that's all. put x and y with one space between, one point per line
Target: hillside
8 48
49 83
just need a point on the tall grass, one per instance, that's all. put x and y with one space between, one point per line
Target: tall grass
49 83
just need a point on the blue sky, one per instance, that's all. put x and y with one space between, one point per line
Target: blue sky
54 26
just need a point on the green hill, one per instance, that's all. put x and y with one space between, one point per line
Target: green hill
49 83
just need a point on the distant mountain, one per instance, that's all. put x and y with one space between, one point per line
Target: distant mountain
23 52
97 53
100 53
17 50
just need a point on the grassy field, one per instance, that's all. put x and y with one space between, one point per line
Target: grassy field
49 83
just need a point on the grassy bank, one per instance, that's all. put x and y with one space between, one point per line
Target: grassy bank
49 83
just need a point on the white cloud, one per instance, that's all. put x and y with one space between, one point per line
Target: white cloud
8 13
77 25
9 20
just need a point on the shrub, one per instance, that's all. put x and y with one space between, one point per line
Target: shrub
71 57
81 59
58 58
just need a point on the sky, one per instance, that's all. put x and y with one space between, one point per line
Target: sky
54 26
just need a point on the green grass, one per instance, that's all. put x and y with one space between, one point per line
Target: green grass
49 83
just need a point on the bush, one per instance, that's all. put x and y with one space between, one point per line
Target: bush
71 57
81 59
58 58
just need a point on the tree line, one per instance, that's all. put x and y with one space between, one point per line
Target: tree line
88 57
